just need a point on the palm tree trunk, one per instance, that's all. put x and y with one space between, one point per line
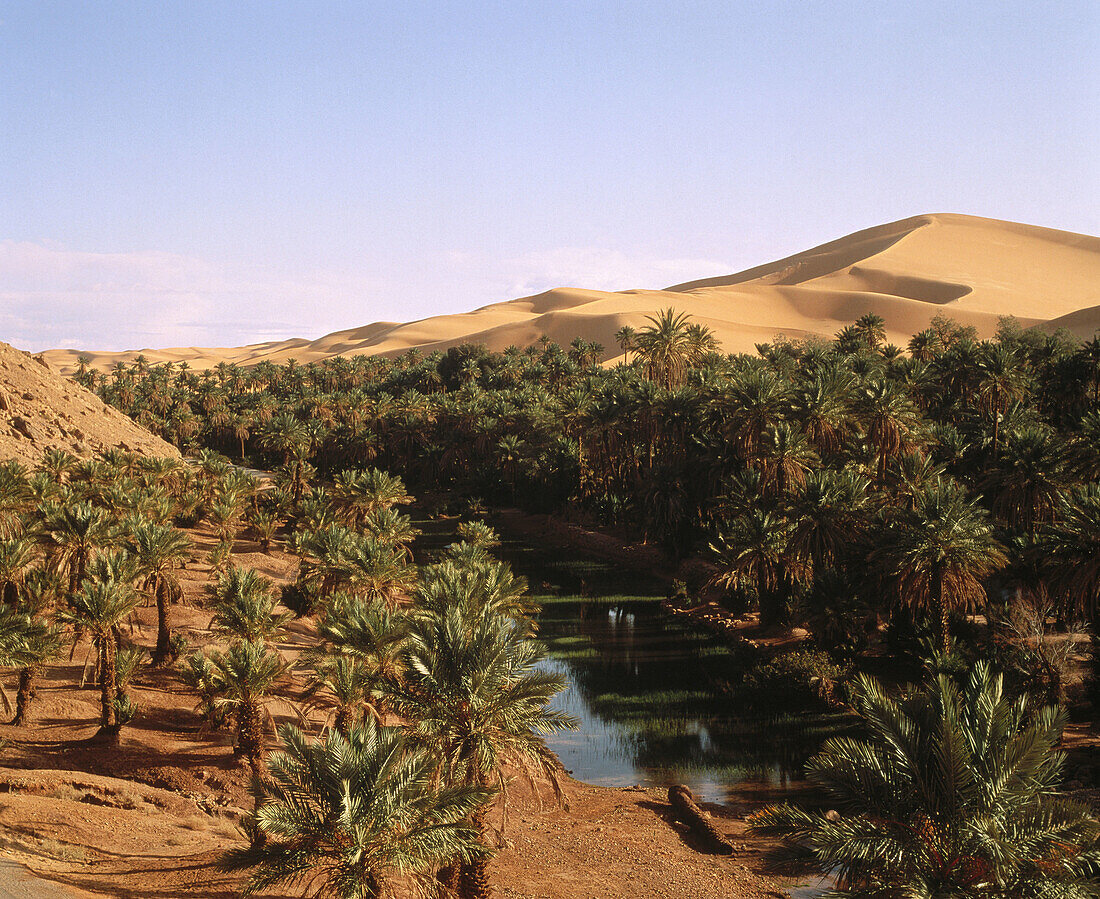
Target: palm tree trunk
108 677
24 696
474 879
450 876
943 624
372 887
250 729
164 633
996 404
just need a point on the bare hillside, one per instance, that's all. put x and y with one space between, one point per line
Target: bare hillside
39 410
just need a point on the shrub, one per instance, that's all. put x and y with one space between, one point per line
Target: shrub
802 679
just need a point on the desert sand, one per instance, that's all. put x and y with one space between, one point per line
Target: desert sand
972 269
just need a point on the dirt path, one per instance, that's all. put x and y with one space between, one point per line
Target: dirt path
16 882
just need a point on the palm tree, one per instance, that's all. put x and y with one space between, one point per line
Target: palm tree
474 698
371 634
924 345
358 493
158 549
786 457
754 401
244 606
74 530
1073 547
830 517
392 528
1001 383
663 347
871 330
15 496
101 605
890 420
479 585
377 571
244 676
264 524
950 794
16 557
509 452
343 683
756 551
346 813
41 642
1027 481
324 552
624 337
938 554
241 426
287 435
821 407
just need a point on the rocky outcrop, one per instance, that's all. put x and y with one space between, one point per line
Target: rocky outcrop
41 410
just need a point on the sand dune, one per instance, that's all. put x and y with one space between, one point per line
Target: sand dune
974 270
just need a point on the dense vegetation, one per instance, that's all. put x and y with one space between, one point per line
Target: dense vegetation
951 793
872 496
839 484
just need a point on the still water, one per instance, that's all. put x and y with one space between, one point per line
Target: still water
651 693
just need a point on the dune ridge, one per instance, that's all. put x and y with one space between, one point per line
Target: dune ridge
974 270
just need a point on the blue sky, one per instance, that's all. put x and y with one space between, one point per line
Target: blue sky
199 173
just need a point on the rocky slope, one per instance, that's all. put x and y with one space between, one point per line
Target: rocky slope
40 410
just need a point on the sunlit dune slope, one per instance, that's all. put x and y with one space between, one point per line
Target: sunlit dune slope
971 269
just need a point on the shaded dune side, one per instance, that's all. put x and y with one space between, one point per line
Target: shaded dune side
818 261
1081 322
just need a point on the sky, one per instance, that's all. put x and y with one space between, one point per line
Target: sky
220 173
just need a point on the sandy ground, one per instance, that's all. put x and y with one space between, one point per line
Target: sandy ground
971 269
150 817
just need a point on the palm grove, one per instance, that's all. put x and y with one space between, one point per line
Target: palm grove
426 677
831 482
870 495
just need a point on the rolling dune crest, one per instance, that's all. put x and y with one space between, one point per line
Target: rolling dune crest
974 270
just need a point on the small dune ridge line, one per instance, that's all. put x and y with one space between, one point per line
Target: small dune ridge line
40 410
974 270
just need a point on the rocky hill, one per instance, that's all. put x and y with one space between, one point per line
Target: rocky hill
39 410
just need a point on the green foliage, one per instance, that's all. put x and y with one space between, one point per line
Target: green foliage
950 793
350 814
793 681
244 605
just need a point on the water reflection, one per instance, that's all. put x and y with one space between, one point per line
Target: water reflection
649 695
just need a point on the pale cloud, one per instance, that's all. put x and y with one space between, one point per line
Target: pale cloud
593 268
54 296
51 296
